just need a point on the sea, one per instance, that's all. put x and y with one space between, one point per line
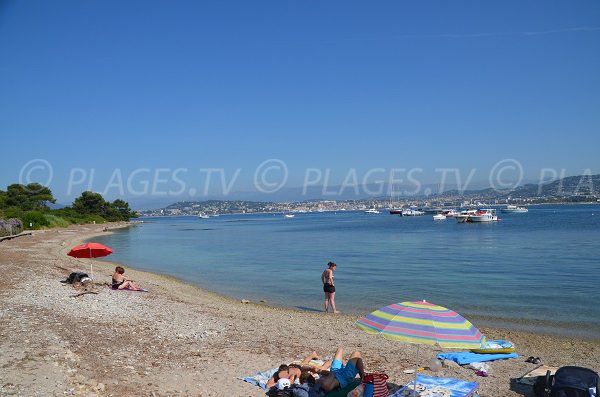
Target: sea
537 271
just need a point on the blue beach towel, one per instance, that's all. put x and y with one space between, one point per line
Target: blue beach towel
261 378
468 357
456 387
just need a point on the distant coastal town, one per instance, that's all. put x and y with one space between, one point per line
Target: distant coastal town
576 189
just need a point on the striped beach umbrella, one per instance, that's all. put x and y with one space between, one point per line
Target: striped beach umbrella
422 323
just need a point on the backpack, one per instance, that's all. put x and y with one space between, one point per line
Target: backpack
569 381
287 392
76 277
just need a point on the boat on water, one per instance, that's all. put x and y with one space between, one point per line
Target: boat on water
412 212
463 216
395 211
203 216
484 215
372 211
439 217
513 209
289 215
450 213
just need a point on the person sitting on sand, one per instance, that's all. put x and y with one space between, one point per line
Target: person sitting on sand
293 371
120 282
339 376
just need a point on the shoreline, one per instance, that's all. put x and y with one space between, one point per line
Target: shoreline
180 339
514 320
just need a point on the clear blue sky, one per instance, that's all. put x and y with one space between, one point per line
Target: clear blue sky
337 85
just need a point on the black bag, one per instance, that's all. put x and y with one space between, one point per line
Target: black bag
287 392
541 387
575 382
568 381
76 277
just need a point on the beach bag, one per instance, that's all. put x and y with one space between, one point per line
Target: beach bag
76 277
379 382
574 381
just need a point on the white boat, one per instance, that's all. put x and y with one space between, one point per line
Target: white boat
463 216
203 216
372 211
439 217
484 215
450 213
289 215
411 212
511 209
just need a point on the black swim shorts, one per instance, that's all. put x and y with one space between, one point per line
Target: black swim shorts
328 288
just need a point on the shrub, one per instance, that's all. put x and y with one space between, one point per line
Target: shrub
36 219
56 221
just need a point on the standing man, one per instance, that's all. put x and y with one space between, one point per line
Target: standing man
329 287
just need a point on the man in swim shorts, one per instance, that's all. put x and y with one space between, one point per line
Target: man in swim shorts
341 375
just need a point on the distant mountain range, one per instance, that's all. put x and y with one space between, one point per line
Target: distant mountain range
572 186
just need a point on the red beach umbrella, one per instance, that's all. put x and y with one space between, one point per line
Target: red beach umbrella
90 250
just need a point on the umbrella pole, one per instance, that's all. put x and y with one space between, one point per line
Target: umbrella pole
91 265
416 373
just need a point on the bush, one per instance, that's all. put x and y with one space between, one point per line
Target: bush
36 219
56 221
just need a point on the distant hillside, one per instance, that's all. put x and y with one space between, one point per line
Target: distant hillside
582 185
569 187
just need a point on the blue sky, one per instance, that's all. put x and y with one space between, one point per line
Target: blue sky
100 89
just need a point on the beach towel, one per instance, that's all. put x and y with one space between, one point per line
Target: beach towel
468 357
530 377
447 387
129 290
260 379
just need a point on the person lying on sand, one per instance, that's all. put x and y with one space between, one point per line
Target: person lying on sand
120 282
293 371
339 376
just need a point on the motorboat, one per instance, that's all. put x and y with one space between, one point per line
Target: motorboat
450 213
513 209
395 211
203 216
289 215
439 217
463 216
484 215
412 212
372 211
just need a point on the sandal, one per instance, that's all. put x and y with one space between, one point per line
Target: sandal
533 360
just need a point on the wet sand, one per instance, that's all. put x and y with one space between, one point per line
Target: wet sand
180 340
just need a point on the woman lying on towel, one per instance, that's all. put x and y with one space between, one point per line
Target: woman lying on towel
120 282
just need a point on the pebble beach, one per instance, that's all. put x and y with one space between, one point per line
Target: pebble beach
179 340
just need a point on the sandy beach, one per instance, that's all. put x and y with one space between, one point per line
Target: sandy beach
180 340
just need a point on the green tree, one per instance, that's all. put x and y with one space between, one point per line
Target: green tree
91 203
121 207
28 197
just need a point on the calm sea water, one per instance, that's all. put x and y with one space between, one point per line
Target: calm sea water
537 271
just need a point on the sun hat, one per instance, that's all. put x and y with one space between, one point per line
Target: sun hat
283 383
